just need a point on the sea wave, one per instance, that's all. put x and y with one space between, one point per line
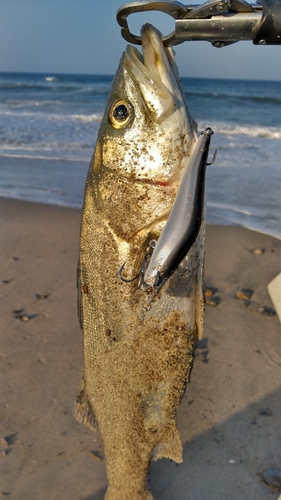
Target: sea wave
252 131
261 99
251 218
55 117
18 86
55 84
246 130
63 151
40 157
61 87
239 210
220 127
95 117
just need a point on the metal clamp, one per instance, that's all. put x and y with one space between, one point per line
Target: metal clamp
173 8
221 22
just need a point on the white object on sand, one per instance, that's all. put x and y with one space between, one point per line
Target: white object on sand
274 290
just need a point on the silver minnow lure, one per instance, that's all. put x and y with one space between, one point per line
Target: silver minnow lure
182 227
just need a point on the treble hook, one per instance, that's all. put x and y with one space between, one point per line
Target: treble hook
124 279
213 159
144 265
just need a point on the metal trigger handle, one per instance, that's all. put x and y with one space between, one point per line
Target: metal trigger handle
221 22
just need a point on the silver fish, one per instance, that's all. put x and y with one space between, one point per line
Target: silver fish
140 334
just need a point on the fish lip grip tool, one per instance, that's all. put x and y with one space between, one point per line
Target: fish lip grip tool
221 22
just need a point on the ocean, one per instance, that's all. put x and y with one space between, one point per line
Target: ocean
49 125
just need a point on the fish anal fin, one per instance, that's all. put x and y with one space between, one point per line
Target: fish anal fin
171 447
83 411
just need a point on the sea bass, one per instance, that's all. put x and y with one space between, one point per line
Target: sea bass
140 334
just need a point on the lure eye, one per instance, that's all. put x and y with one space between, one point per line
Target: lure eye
120 113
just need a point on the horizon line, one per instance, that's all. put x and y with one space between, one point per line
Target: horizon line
54 73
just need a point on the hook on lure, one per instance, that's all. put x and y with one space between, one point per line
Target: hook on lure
213 159
140 275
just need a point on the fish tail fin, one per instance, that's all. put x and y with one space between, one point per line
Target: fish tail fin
170 447
82 410
112 494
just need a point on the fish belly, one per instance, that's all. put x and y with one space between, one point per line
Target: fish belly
137 356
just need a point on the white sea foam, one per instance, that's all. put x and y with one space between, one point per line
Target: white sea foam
40 157
223 128
253 131
56 117
238 210
87 118
256 219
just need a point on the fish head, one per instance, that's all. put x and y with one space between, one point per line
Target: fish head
145 139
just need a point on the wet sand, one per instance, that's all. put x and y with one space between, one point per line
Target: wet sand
230 418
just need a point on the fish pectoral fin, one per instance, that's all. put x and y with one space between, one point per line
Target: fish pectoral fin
82 411
170 447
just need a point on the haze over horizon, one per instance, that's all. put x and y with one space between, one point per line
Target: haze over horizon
62 36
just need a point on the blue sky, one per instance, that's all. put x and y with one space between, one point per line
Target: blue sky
82 36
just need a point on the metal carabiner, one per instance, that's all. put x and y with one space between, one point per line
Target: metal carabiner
175 9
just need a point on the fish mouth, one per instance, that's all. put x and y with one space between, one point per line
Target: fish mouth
158 60
155 71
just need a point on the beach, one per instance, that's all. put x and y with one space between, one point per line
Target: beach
230 419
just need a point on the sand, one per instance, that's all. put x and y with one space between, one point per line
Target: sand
230 418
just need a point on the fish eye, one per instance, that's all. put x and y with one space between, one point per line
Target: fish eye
120 113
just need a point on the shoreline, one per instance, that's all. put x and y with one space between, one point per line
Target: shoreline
229 419
79 208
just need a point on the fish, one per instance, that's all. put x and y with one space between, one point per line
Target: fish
141 266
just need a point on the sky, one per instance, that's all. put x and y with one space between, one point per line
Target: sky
82 36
